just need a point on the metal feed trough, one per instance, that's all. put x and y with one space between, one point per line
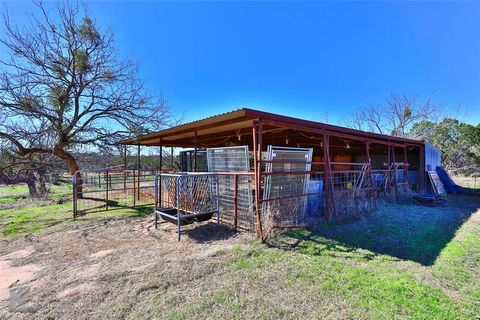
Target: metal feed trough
185 198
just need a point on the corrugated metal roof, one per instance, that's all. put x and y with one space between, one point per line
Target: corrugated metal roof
243 114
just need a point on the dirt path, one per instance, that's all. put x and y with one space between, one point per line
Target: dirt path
79 270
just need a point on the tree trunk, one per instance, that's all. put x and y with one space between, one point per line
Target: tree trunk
39 175
28 179
72 167
32 188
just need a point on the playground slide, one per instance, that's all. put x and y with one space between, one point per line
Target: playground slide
451 186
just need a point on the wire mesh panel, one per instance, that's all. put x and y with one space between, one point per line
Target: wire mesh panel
285 195
393 183
233 159
190 193
97 190
353 193
190 197
187 160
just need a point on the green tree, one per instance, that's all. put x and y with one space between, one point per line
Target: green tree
62 86
458 141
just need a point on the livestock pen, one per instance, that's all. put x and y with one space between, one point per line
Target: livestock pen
276 171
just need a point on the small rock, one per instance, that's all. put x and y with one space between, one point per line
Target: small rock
17 298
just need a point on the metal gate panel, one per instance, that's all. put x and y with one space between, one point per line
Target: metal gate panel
284 203
233 159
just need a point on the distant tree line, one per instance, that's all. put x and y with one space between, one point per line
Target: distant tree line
410 116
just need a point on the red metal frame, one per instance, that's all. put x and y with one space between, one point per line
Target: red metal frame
273 123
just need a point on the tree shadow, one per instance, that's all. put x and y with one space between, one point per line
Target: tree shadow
401 231
141 210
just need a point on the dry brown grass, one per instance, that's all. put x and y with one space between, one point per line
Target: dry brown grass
96 269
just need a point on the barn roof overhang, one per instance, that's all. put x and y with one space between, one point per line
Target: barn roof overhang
216 130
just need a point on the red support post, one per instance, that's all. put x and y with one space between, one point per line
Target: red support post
329 201
421 170
195 152
235 200
160 157
389 163
395 172
256 148
369 161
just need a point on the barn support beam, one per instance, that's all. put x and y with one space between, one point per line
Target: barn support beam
138 156
257 153
369 161
329 200
421 170
405 160
195 152
160 156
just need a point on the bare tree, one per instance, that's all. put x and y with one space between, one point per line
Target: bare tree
62 85
394 117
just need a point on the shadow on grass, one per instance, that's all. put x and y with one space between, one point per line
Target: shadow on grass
141 210
208 232
403 231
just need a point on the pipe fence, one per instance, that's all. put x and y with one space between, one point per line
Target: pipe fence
107 189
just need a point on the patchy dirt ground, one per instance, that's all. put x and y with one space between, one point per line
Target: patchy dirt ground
90 270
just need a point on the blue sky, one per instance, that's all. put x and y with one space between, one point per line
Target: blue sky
302 59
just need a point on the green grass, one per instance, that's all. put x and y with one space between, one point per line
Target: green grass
355 271
21 215
405 261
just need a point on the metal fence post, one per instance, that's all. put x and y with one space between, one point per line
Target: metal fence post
134 191
106 188
235 200
74 187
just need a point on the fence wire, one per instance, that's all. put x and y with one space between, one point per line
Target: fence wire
189 193
285 195
97 190
233 160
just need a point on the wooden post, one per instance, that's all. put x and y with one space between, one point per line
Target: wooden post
138 176
258 227
235 200
171 159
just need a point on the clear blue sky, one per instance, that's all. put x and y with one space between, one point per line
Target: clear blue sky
300 59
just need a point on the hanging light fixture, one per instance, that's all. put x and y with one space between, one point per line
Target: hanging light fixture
286 139
239 136
347 146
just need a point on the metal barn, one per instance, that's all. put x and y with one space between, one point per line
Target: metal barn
276 171
273 171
